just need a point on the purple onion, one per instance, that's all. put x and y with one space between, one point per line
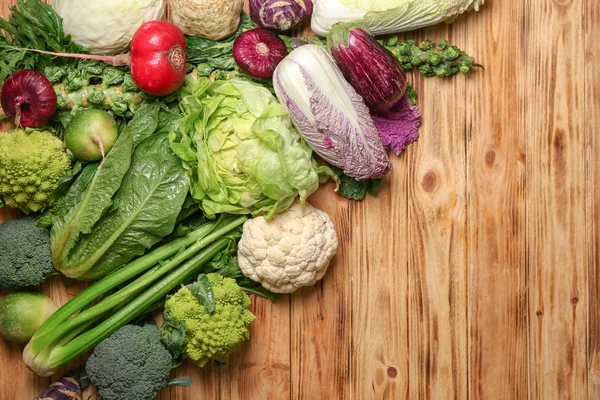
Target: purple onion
258 52
370 68
280 15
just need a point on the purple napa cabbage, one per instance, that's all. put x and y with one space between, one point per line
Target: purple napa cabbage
280 15
329 114
399 126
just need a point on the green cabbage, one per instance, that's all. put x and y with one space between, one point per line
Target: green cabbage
107 26
241 151
388 16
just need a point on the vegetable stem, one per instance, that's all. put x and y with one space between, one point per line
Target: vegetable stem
44 335
89 339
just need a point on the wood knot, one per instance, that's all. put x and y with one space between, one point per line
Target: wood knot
539 313
559 140
392 372
429 182
575 300
490 158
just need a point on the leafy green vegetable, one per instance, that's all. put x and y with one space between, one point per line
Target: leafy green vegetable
352 189
126 294
240 150
33 24
130 203
389 16
202 290
209 55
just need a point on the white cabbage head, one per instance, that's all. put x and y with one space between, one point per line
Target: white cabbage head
106 26
388 16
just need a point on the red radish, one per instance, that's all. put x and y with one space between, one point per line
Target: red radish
28 99
258 52
156 59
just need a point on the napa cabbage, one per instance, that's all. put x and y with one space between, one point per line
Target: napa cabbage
388 16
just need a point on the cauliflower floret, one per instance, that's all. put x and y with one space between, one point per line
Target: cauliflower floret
212 336
289 251
30 166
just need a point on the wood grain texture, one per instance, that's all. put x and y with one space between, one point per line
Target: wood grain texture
496 208
475 272
592 162
553 100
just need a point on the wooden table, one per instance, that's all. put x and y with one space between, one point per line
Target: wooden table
475 271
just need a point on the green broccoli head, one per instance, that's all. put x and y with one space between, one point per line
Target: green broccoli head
25 258
132 363
212 336
30 166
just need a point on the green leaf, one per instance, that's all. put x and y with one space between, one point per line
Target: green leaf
150 199
352 189
87 200
202 290
183 381
173 336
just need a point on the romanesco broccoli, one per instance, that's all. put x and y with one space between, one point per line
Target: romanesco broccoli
30 167
212 336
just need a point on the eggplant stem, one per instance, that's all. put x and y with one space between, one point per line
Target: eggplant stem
116 61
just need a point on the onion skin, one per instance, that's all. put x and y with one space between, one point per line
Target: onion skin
258 52
28 99
158 58
280 15
370 68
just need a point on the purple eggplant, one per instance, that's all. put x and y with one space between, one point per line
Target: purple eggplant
370 68
280 15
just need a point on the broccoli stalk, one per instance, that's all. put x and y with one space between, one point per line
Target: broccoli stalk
81 323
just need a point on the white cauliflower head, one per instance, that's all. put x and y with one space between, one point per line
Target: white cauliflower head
288 251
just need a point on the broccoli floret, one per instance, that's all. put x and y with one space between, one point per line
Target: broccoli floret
212 336
30 167
25 258
132 363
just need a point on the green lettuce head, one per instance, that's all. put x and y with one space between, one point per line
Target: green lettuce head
241 151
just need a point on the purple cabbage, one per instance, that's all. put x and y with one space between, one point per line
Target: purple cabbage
329 114
280 15
399 126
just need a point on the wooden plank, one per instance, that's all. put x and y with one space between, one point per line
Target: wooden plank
552 94
320 317
378 261
437 228
496 208
592 157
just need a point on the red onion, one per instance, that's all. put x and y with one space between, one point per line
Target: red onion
258 52
280 15
28 99
370 68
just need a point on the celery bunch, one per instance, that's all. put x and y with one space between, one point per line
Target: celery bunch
125 294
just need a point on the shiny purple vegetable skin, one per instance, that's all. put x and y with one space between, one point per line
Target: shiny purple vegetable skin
67 388
370 68
280 15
